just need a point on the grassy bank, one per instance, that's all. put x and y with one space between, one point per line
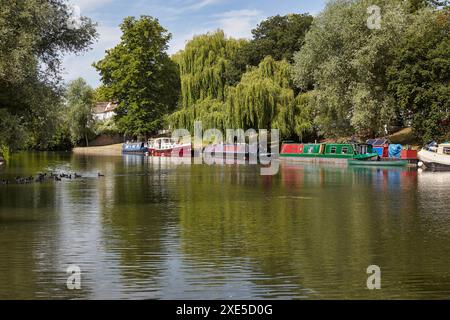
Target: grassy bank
111 150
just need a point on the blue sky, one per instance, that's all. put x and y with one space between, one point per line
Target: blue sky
183 18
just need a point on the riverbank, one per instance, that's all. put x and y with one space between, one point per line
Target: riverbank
111 150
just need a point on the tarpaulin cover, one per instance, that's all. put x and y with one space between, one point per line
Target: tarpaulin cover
395 150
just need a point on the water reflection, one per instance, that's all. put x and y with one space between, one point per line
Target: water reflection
155 229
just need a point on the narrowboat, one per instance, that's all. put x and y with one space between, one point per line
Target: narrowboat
134 148
327 152
435 157
168 147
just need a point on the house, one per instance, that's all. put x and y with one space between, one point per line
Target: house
104 111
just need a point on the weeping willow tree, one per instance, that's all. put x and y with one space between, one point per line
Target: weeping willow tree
263 99
204 66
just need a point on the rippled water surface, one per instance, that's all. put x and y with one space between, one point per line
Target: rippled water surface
151 229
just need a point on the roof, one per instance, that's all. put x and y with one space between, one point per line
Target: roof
104 107
378 142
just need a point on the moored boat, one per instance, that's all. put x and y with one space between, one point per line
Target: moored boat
381 163
393 152
327 152
435 157
134 148
236 150
168 147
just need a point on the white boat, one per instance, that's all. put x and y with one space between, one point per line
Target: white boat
168 147
435 157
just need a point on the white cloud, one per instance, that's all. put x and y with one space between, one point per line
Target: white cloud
236 23
239 23
81 65
201 4
89 5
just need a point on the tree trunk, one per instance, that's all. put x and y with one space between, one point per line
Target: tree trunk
87 141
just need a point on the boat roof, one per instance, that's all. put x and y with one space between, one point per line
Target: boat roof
377 142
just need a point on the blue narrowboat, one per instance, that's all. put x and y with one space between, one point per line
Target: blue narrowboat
135 148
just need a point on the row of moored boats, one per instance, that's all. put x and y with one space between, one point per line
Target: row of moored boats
376 152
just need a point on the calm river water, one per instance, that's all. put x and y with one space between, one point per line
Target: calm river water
151 229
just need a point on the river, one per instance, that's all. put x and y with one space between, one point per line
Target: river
151 229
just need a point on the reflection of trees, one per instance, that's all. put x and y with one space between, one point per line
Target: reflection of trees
29 264
136 214
318 227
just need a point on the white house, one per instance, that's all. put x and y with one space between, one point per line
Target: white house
104 111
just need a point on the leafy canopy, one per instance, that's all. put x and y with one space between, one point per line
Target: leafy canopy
139 74
80 100
35 35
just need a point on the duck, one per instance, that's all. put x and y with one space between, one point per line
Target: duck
100 175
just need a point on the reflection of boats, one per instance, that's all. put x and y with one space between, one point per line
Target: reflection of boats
136 148
168 147
237 150
435 157
382 163
326 152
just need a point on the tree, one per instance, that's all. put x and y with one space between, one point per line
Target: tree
279 37
416 5
80 100
345 64
139 74
420 74
204 65
102 94
263 99
35 34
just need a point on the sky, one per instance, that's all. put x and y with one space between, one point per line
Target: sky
182 18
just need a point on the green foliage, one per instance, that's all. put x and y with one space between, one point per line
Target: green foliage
345 64
35 34
80 100
279 37
102 94
12 131
420 74
263 99
205 65
140 75
108 127
416 5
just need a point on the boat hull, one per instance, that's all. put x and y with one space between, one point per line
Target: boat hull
435 161
138 148
177 151
315 160
385 163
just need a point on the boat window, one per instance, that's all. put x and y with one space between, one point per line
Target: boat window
333 150
310 150
446 150
345 150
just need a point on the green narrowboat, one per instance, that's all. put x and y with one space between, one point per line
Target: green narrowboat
326 152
